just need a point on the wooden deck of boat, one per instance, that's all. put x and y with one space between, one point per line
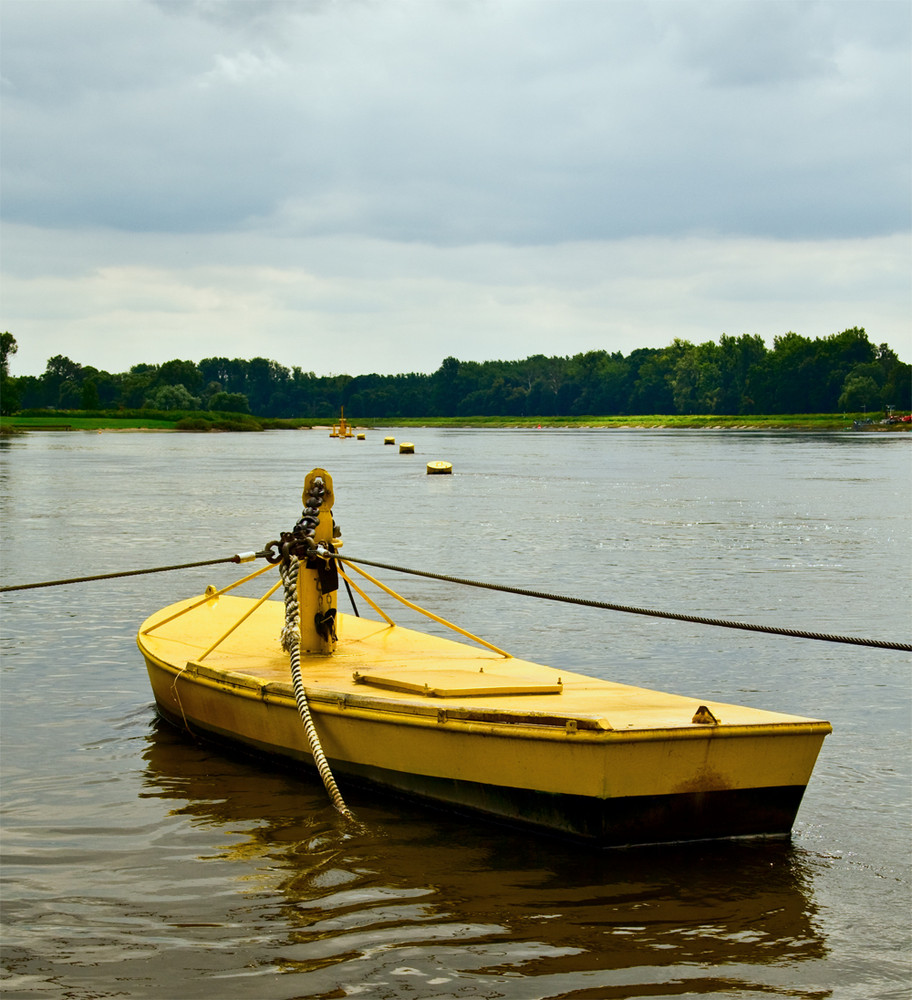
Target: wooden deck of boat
408 667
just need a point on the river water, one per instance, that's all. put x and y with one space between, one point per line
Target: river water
137 863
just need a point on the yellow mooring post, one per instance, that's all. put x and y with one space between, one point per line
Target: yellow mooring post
318 585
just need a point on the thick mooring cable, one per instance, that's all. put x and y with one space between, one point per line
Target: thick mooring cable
651 612
291 642
504 589
237 558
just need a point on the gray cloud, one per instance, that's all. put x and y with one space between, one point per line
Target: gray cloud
517 122
458 176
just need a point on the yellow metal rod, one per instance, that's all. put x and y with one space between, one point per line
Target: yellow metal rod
241 620
209 597
361 593
426 613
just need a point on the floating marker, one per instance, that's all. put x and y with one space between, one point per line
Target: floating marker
389 440
406 448
439 469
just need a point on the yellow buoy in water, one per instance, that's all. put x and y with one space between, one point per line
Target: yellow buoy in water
439 469
406 448
389 440
361 436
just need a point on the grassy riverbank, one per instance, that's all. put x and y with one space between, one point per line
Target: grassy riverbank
139 420
795 422
79 420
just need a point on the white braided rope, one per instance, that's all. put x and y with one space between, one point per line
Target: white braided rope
291 643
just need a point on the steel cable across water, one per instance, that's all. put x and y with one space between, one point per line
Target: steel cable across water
506 589
650 612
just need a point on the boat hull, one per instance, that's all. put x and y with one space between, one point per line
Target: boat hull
586 759
618 821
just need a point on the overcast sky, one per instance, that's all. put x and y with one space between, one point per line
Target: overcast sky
371 185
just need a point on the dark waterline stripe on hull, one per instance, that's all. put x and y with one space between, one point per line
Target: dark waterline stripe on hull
618 822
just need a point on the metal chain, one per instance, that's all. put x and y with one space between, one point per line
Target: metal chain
299 541
291 643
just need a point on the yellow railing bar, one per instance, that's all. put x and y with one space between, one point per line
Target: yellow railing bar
242 619
425 612
209 597
361 593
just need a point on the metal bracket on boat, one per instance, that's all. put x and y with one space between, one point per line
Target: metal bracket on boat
325 624
703 717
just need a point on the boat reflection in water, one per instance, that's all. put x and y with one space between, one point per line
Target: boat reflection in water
438 906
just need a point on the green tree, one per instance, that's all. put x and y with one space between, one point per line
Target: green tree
542 378
784 385
837 356
8 346
178 372
446 389
62 382
171 397
696 380
229 402
652 390
208 391
231 374
30 389
98 389
9 395
69 396
897 379
595 377
859 392
89 399
266 382
302 393
135 384
739 358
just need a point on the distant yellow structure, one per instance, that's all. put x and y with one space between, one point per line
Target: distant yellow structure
342 429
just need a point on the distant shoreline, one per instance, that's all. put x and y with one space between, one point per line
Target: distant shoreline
63 421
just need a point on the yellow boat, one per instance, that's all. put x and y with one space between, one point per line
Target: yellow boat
463 726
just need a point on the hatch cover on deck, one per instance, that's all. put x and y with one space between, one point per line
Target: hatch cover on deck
455 683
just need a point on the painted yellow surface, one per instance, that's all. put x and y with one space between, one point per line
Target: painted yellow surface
407 701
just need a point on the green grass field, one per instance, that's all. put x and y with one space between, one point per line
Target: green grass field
137 420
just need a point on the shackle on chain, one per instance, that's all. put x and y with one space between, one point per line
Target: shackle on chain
300 540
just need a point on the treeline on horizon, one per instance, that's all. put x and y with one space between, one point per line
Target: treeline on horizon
737 375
